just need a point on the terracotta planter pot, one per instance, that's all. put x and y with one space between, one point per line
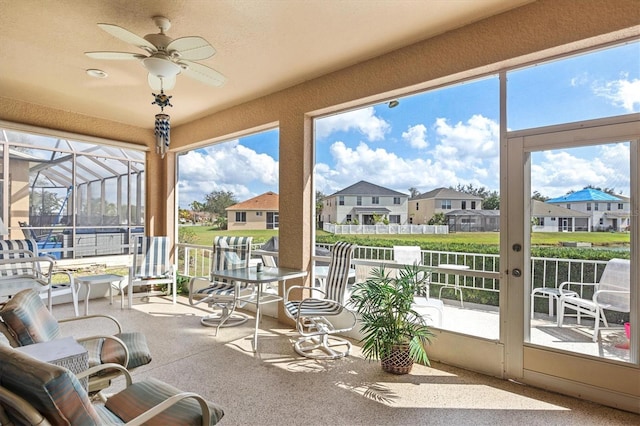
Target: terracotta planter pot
398 361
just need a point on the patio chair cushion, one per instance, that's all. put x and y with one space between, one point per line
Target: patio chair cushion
28 319
54 391
141 396
103 351
139 353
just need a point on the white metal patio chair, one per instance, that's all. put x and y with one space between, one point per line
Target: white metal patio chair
611 292
228 253
316 317
412 255
22 266
151 265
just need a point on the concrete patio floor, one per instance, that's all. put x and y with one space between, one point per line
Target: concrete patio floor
275 386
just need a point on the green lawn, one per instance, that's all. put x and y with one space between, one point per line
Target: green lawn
203 235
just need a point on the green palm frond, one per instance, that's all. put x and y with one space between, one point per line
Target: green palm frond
384 304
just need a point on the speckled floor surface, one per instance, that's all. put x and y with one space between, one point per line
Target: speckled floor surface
275 386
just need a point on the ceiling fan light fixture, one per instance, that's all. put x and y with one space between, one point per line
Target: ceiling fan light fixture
96 73
161 68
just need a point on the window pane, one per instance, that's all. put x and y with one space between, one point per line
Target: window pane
599 84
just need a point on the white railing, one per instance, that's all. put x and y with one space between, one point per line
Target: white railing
385 229
481 275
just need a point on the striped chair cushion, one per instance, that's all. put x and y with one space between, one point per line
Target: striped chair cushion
225 289
136 343
313 307
152 257
16 249
103 351
52 390
141 396
28 319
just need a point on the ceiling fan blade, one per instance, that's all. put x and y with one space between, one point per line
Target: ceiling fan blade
202 73
128 37
166 83
191 48
114 55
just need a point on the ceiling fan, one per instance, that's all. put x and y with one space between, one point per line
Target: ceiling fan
166 57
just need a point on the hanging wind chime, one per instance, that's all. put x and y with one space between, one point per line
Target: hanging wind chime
163 125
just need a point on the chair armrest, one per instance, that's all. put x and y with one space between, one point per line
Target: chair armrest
564 287
109 366
303 287
203 282
169 402
25 410
85 317
109 337
603 292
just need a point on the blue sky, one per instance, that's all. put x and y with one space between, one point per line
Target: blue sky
445 137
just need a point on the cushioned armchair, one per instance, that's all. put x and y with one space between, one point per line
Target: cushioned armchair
28 321
38 393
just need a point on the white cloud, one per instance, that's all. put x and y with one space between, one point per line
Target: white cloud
228 166
416 136
622 93
470 150
363 120
554 173
465 153
379 167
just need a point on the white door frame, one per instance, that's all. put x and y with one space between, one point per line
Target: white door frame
595 379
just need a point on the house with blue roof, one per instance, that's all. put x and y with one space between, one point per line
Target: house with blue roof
605 212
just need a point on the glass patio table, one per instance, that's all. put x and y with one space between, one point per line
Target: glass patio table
267 276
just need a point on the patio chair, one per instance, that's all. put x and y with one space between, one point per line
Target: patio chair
412 255
612 292
34 392
317 318
22 266
26 321
151 266
227 253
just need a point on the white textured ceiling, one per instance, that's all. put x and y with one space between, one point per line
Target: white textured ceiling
262 46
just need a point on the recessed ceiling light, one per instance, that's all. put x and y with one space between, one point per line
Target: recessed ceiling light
97 73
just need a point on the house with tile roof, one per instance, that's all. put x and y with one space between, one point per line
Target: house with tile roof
362 203
259 212
606 212
423 207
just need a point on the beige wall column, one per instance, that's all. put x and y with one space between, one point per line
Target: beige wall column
296 168
160 197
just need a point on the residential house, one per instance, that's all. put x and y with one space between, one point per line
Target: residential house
362 203
545 218
440 200
259 212
548 217
605 212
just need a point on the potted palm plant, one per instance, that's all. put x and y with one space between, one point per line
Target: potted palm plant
393 331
